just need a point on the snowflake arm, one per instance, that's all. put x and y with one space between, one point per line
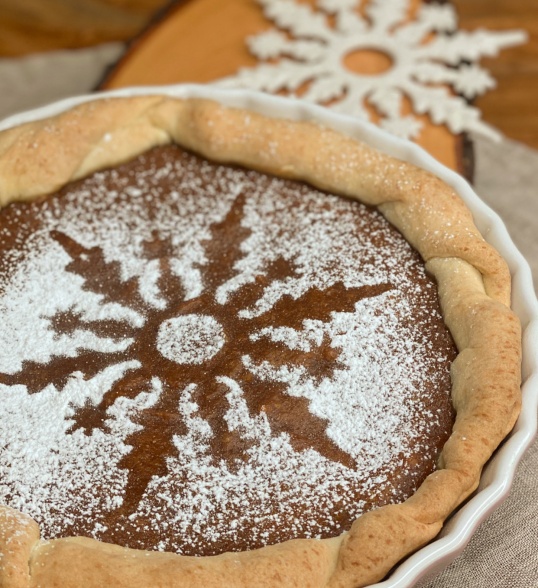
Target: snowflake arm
352 103
92 415
299 19
318 304
390 18
291 416
412 34
385 14
319 359
337 6
273 44
406 127
468 80
324 89
223 247
438 17
446 109
106 277
347 20
72 321
430 18
469 46
151 446
273 77
57 372
386 100
317 364
121 415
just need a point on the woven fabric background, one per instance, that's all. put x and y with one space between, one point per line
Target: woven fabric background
503 553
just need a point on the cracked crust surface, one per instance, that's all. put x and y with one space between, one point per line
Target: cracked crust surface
474 289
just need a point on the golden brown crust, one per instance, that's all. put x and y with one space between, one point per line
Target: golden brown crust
94 564
474 288
18 536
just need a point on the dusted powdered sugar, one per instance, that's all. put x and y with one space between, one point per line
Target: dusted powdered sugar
191 338
54 471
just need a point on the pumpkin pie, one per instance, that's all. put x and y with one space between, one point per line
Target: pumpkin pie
236 347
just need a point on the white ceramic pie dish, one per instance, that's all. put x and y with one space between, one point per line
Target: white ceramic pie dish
498 474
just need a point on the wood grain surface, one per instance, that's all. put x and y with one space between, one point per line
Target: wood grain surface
204 40
29 26
513 105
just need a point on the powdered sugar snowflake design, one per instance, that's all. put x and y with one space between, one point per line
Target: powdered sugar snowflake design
195 358
428 56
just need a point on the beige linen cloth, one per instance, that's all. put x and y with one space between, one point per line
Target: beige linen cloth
503 553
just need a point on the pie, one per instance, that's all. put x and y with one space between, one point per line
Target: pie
222 365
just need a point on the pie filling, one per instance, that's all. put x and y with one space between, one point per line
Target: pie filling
200 358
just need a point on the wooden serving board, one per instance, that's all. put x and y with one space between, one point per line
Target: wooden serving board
204 40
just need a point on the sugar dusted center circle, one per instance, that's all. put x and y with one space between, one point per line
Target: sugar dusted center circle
190 338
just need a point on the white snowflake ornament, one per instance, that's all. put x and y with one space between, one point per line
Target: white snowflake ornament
430 60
